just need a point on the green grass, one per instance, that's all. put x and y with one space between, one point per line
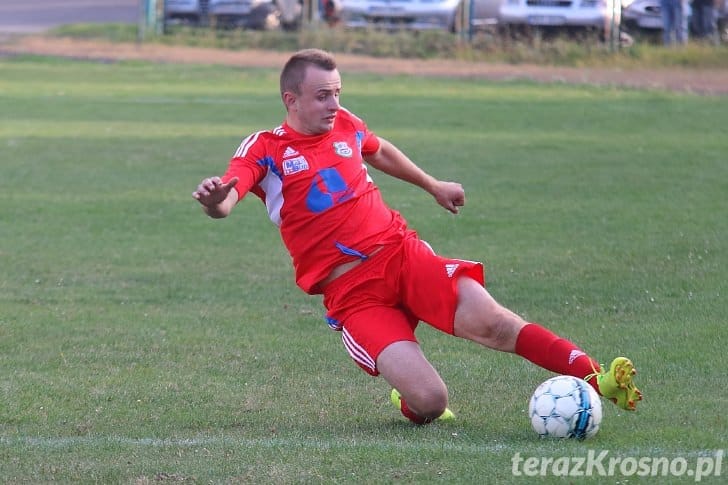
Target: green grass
141 341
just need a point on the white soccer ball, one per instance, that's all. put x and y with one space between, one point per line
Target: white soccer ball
565 407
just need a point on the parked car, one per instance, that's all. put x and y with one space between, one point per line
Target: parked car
723 21
603 16
641 14
249 14
291 13
646 15
190 12
416 14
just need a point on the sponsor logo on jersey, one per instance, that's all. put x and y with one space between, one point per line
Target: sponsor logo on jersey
289 152
342 149
295 165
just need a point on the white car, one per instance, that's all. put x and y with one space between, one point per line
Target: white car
642 14
416 14
603 16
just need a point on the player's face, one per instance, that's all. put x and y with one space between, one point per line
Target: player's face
314 110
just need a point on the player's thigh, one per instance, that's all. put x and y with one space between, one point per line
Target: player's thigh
480 318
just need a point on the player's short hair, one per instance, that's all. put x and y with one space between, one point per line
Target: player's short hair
295 69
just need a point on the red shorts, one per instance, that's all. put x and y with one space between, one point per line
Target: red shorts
382 300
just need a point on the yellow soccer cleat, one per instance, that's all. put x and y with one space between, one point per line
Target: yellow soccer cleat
617 384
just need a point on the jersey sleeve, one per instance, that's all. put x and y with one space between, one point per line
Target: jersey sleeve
244 165
369 141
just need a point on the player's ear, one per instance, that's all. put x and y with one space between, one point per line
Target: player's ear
289 99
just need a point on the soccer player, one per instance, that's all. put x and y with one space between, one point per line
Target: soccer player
378 279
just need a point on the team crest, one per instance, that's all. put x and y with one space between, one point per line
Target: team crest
342 149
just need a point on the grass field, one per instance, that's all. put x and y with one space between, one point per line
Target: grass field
141 341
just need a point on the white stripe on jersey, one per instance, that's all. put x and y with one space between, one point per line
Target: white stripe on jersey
366 171
271 184
356 351
246 144
273 188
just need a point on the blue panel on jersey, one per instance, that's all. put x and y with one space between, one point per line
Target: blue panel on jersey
328 188
268 162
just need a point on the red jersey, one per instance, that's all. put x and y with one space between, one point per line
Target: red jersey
317 190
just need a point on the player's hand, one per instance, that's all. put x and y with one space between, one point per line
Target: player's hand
212 191
450 195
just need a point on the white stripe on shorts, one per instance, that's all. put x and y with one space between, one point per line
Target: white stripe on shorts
356 351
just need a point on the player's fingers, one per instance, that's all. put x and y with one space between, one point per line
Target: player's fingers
231 183
447 204
215 183
209 185
202 190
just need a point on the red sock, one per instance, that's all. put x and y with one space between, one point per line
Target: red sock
409 414
548 350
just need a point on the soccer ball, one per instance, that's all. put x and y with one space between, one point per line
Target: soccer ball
565 407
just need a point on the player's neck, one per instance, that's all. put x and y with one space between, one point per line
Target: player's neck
301 130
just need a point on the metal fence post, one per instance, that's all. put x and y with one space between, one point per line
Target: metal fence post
614 28
310 13
151 18
464 21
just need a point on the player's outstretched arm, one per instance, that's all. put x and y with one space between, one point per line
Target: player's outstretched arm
450 195
217 198
390 160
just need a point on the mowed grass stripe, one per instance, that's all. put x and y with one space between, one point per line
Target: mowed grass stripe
381 445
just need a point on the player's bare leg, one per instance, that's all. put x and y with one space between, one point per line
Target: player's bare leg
422 390
483 320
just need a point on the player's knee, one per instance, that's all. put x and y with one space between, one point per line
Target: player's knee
428 402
